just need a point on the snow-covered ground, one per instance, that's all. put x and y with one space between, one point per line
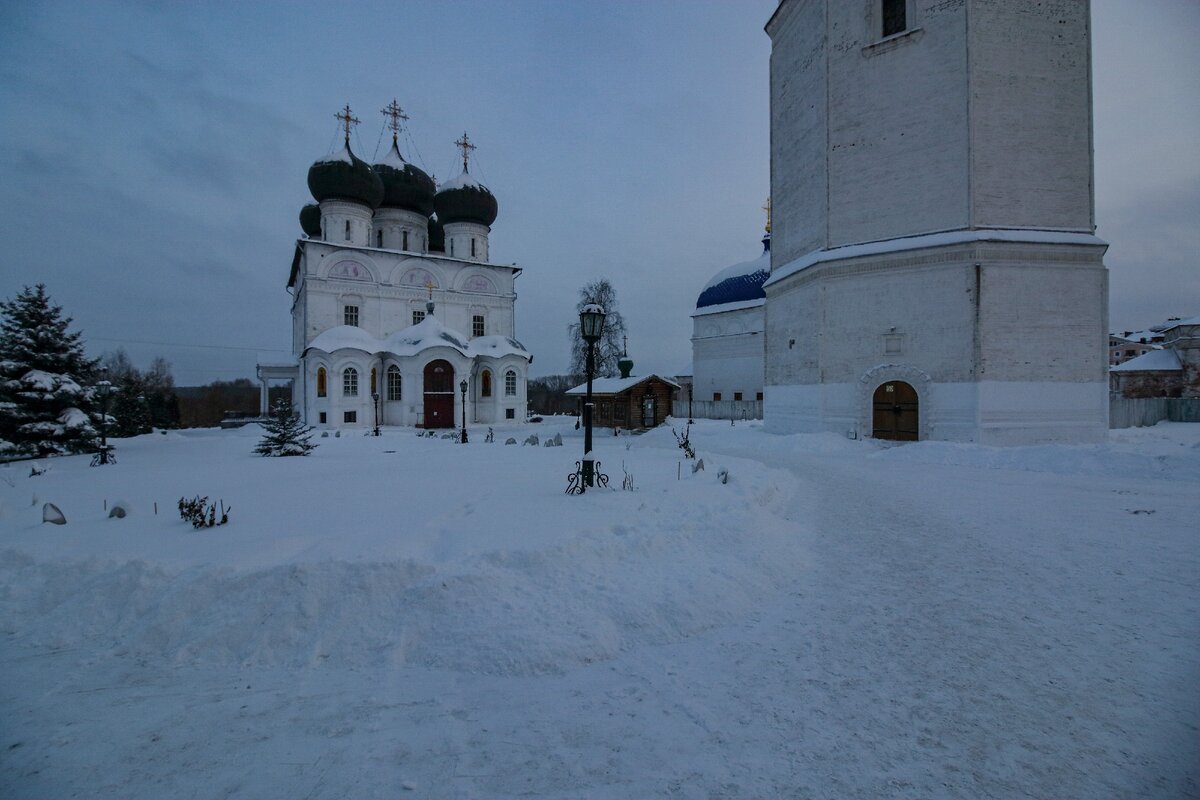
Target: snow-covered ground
400 616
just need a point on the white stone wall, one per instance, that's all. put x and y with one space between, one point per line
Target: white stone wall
337 214
727 353
974 328
461 237
390 225
1031 114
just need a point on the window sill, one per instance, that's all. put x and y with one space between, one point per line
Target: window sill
890 43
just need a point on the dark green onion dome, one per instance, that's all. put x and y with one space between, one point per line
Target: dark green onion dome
404 185
341 175
437 236
310 220
464 199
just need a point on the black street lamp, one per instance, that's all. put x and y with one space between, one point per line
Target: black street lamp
462 387
591 326
375 400
691 421
103 388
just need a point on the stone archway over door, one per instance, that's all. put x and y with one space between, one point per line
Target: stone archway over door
896 412
439 394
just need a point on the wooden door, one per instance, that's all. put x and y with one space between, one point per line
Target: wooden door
648 411
439 394
896 414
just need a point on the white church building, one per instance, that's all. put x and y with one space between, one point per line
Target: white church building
393 308
934 268
727 332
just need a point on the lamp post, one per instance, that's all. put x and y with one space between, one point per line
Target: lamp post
375 400
103 388
591 326
691 421
462 387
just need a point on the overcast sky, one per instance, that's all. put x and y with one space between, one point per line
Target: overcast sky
153 156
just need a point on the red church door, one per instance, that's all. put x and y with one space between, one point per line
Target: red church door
895 412
439 394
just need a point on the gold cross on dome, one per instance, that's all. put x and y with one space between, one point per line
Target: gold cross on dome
395 113
429 288
465 145
767 208
346 118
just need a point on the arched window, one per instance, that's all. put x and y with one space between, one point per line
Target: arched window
485 383
404 244
510 383
350 382
321 388
373 383
393 382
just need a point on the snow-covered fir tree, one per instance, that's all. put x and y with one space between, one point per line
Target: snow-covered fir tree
45 408
286 434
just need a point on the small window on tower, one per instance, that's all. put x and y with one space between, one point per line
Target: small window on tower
472 247
347 230
894 17
477 325
404 240
418 317
451 247
379 238
350 316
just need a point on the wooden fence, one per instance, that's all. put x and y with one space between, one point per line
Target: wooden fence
718 409
1139 412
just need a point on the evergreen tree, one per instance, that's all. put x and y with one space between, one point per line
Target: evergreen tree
612 338
285 434
140 400
45 408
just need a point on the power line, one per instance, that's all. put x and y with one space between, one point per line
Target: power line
183 344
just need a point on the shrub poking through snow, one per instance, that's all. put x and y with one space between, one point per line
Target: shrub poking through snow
285 434
201 513
685 441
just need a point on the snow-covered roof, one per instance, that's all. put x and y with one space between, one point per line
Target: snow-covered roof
737 283
1154 361
392 158
618 385
933 240
1181 322
462 181
415 339
339 153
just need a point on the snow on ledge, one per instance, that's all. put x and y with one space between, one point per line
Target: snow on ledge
932 240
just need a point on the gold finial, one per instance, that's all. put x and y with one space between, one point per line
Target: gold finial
395 113
465 145
767 208
429 288
346 118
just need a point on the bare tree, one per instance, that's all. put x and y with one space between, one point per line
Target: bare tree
612 341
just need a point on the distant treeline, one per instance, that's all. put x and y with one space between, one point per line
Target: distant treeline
548 394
